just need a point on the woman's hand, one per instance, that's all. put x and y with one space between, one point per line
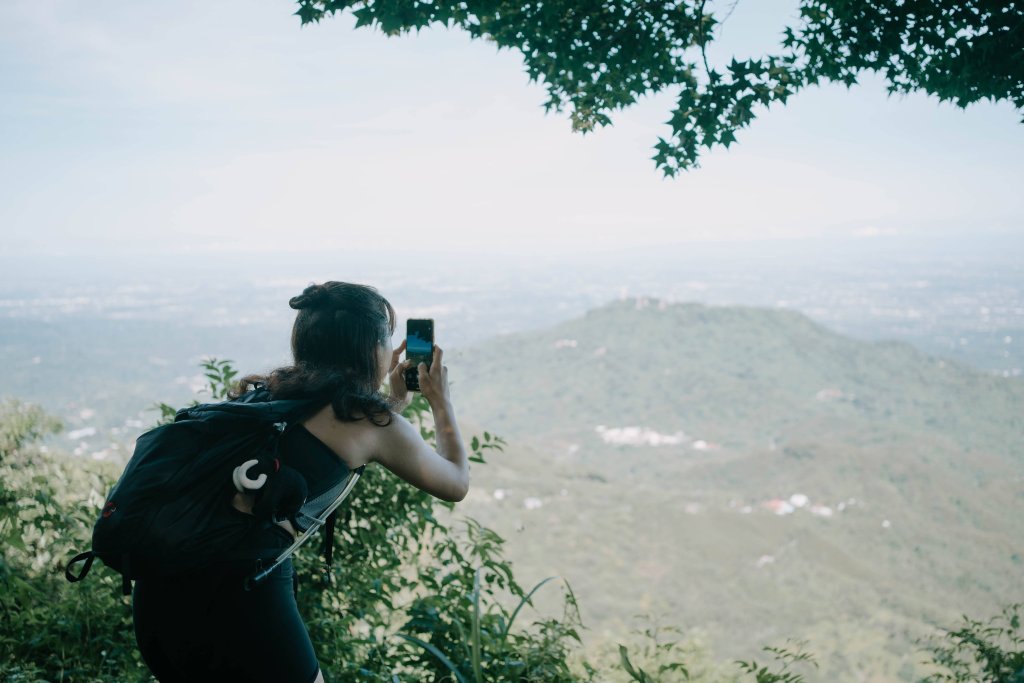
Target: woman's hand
400 447
400 397
434 382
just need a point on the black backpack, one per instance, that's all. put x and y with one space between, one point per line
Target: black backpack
171 513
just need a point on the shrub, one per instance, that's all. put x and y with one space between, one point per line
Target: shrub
400 577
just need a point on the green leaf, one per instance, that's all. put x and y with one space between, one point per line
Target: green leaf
364 16
628 666
14 538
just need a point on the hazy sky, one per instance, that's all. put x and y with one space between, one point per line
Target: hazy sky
225 126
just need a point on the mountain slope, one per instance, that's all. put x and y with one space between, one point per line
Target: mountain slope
736 374
752 474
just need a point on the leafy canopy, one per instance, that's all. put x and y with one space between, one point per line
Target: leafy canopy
595 58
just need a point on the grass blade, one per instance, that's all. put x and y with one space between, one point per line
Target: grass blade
437 653
522 602
476 627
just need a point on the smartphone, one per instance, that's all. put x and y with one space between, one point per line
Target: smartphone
419 346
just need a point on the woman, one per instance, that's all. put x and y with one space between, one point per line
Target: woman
198 628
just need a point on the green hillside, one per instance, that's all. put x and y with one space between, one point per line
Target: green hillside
648 440
741 375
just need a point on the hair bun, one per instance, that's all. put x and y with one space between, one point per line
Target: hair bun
311 297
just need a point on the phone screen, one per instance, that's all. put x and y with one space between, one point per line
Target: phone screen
419 346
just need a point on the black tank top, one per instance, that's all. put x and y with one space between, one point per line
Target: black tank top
325 473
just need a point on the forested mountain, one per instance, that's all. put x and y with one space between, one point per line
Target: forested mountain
750 473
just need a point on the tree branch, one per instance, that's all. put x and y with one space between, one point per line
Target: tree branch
700 27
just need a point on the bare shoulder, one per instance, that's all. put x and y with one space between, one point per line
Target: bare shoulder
355 443
397 440
398 446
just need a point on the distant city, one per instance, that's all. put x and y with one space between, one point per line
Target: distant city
97 341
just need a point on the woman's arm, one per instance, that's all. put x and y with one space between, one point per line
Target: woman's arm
443 473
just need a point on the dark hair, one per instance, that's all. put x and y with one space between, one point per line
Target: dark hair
335 338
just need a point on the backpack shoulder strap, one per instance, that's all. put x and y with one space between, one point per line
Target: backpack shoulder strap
329 544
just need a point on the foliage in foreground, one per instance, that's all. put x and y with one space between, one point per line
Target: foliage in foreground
596 58
409 599
991 651
50 630
404 586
